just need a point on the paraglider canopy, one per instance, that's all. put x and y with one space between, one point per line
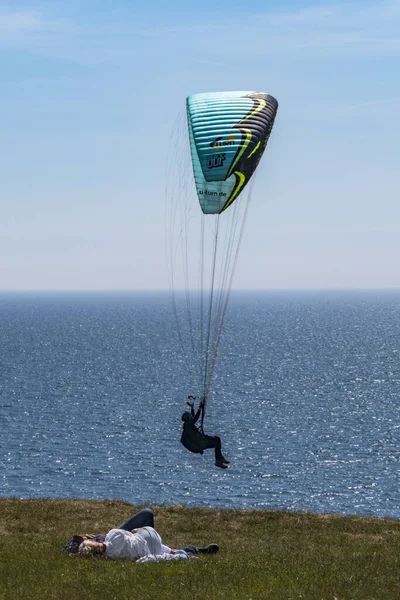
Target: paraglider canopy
228 132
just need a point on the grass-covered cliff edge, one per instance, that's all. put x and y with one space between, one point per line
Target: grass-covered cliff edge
263 554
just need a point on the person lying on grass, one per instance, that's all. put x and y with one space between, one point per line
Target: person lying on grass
133 540
131 545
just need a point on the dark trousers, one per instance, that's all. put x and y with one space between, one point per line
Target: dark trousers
212 441
144 518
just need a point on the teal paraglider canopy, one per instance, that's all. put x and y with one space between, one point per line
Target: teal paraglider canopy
228 133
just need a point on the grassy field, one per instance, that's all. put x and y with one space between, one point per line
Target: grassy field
263 554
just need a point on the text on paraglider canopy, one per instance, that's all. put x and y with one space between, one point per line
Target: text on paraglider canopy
216 160
210 193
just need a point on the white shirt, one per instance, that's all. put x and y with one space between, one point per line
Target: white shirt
121 544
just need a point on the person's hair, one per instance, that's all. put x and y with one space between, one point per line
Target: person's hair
89 547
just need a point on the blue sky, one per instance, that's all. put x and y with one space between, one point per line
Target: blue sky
90 91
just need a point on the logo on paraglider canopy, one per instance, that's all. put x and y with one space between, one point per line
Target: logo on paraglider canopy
211 193
218 143
216 160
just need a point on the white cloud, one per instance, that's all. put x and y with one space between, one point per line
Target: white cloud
19 21
28 29
337 30
16 22
209 62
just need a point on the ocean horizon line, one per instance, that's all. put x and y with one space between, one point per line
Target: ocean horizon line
105 291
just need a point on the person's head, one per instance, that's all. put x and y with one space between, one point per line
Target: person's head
186 416
91 547
191 398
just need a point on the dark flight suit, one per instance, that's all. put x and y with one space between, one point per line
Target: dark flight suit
194 440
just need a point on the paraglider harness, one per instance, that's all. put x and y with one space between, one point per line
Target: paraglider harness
193 436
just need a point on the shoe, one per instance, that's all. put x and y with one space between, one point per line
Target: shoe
211 549
222 465
227 462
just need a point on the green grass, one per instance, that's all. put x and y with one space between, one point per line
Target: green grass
263 554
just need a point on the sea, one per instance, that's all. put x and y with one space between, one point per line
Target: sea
305 398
